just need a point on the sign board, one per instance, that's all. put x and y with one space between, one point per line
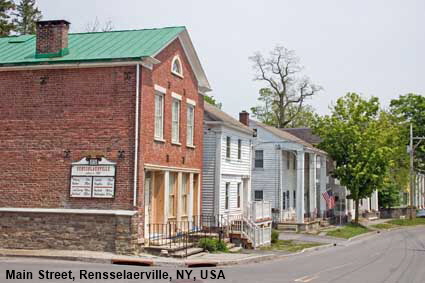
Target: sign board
93 178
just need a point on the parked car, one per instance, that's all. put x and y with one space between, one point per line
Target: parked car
421 213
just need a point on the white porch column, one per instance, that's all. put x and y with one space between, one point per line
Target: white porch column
312 185
179 195
322 183
421 190
300 187
166 195
190 199
374 201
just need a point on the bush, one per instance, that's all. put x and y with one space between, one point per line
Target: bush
275 236
213 245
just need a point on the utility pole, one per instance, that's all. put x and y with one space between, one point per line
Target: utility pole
412 148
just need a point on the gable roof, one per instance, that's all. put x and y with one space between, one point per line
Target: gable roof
212 113
286 136
304 134
126 45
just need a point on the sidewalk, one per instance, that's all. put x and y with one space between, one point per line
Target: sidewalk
143 259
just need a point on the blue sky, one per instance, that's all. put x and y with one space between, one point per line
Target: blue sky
370 47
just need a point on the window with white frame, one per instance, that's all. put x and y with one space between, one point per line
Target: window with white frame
176 66
259 159
239 149
238 194
258 195
228 145
175 123
172 195
159 116
184 193
226 197
190 124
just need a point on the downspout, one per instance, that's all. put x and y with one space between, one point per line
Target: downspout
136 136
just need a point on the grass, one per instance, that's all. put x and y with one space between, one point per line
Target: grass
407 222
290 246
348 231
384 226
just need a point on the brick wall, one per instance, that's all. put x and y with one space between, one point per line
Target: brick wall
43 113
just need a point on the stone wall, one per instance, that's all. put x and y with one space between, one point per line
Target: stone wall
65 231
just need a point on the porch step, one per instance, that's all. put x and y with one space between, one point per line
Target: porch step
287 227
235 249
190 251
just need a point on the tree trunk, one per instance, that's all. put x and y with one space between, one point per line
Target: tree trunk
356 218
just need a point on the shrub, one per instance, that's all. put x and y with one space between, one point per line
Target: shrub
275 236
213 245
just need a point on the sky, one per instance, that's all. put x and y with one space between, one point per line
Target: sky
369 47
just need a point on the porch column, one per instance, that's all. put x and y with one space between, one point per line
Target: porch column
190 198
199 194
300 187
312 178
179 195
322 181
166 195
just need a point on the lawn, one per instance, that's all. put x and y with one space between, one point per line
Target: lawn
407 222
384 226
348 231
290 246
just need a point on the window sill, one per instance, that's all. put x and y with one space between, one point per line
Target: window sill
176 143
177 74
159 140
191 146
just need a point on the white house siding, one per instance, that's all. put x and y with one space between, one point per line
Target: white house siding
234 170
209 170
219 170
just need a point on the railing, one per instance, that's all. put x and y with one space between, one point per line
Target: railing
260 211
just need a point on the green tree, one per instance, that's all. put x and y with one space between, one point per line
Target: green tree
410 108
211 100
26 16
6 26
286 89
357 141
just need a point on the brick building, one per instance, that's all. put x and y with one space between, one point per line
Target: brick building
100 136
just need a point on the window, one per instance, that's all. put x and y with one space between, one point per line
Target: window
295 162
176 66
228 143
190 124
172 194
258 195
259 159
159 116
226 200
175 123
295 199
239 195
287 199
185 190
239 149
284 201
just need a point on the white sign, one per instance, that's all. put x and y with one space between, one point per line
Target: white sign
103 187
81 187
93 178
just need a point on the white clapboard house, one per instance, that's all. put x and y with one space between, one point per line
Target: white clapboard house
226 177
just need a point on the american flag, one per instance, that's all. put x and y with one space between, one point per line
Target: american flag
329 198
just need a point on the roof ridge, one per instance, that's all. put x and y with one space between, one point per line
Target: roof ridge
93 32
127 30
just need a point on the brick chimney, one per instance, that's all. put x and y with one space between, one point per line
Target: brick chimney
52 38
244 118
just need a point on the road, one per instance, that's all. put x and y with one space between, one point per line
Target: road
395 256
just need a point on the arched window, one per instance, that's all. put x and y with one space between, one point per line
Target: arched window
176 66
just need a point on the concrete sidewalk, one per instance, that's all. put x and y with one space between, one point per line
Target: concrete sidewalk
143 259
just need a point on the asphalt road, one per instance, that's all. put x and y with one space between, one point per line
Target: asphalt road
396 256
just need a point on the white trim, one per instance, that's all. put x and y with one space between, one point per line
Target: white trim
177 58
178 110
176 96
190 101
168 168
69 66
159 136
70 211
136 135
161 89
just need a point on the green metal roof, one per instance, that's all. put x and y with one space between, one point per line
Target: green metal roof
93 46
